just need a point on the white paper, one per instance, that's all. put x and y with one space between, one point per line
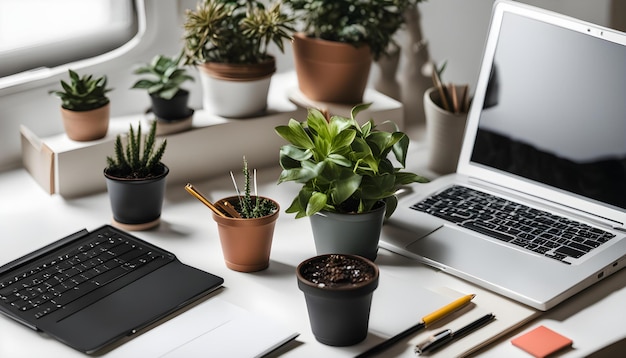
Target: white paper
214 328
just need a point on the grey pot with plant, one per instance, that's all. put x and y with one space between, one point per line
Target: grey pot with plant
334 49
228 42
162 78
348 178
245 224
136 179
85 106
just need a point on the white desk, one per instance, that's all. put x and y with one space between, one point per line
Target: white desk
30 218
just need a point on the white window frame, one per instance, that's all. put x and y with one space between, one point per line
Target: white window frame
57 53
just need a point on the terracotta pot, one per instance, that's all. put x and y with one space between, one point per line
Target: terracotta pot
246 243
86 125
339 314
330 71
236 90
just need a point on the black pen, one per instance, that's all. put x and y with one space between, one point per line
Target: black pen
444 337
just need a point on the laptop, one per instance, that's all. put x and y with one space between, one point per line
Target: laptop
545 138
92 290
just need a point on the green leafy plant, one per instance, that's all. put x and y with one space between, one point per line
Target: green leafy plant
362 22
135 161
252 206
83 93
343 166
165 76
234 31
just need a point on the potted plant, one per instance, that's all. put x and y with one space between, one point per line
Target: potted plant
349 183
228 43
245 224
333 52
135 178
338 290
85 107
164 77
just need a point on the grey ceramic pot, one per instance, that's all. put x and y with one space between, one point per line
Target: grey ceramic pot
339 316
356 234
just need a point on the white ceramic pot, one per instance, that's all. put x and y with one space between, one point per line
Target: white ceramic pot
444 134
236 90
235 99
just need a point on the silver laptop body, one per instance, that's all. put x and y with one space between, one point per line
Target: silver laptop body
547 128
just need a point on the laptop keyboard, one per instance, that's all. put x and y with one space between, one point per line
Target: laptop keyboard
532 229
49 286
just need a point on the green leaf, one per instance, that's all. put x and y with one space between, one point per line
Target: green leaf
401 148
295 153
316 121
342 140
340 160
343 186
358 108
295 134
316 203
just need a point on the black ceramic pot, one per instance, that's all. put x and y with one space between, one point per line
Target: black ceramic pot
172 109
136 203
339 315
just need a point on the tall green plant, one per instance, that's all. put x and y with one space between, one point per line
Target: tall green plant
343 167
136 161
252 206
83 93
234 31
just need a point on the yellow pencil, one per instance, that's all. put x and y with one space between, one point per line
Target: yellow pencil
447 309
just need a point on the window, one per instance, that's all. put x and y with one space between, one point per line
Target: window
38 34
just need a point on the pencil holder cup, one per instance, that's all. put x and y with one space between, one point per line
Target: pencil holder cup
444 133
338 290
246 243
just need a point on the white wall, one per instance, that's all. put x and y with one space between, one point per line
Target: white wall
455 30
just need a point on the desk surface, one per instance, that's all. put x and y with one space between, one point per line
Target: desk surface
30 218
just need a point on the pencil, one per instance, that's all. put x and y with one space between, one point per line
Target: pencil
191 190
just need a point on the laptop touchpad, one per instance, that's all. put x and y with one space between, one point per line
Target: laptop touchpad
454 247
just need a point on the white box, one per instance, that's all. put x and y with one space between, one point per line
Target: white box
213 146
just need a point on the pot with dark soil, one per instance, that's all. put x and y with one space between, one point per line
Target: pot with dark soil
338 290
136 178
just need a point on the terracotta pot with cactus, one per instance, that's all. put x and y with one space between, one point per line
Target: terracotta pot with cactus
245 224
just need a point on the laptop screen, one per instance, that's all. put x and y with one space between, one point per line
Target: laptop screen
555 110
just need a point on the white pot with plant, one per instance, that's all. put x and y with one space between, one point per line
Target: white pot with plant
228 42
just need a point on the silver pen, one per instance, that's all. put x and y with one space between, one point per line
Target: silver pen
444 337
